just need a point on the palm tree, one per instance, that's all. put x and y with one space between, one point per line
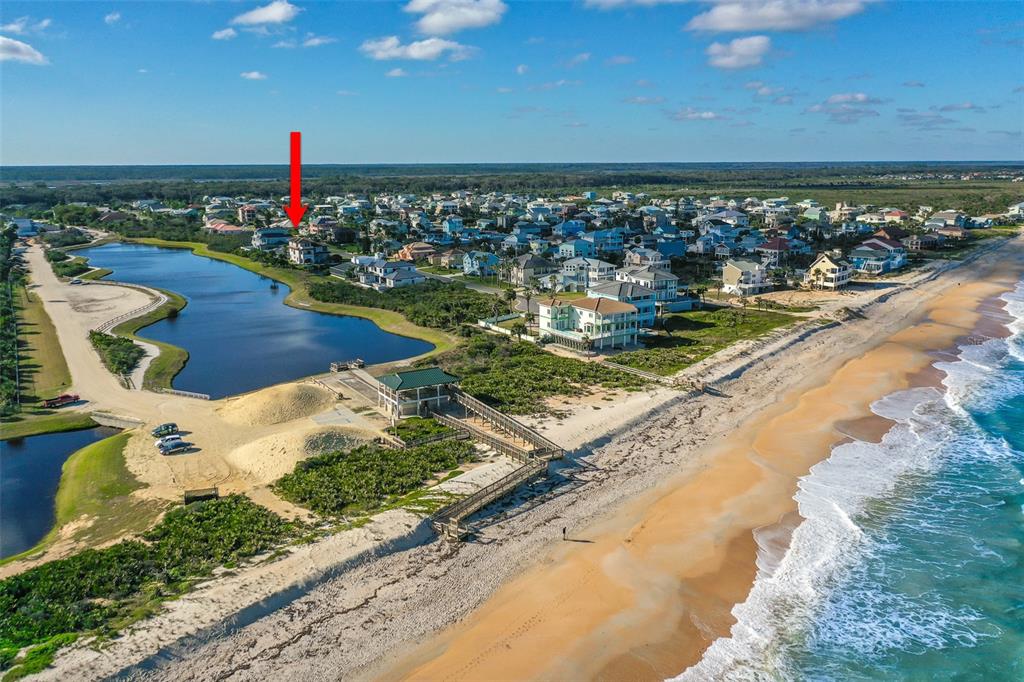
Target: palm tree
519 329
510 298
528 294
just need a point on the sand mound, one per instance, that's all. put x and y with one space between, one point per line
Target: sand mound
277 404
265 460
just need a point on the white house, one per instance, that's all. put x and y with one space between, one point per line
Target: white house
639 296
303 251
605 322
664 284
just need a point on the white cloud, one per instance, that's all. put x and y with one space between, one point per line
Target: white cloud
643 100
285 44
847 107
963 106
26 25
522 69
316 41
17 51
554 85
442 17
347 93
277 12
428 49
739 53
143 70
254 75
581 58
575 124
396 73
774 15
691 114
224 34
504 91
615 4
852 98
112 18
913 84
620 59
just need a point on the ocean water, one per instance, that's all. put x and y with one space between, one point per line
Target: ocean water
909 563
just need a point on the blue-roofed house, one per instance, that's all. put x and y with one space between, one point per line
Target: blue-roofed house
480 263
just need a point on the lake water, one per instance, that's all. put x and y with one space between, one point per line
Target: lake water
30 471
239 333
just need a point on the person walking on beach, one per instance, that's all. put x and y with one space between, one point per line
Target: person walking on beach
563 533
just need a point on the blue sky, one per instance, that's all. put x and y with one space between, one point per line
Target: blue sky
504 81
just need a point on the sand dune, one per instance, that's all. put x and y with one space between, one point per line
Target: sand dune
277 404
267 459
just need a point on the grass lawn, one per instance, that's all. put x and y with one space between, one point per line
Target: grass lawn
299 297
96 483
43 369
689 337
438 270
44 374
44 421
491 281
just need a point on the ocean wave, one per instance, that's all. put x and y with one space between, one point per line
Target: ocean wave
796 606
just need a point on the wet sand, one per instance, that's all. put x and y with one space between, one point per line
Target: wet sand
652 586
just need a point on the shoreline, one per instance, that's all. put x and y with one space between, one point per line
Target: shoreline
373 612
775 542
712 563
387 320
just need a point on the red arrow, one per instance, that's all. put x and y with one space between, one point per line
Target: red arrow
295 209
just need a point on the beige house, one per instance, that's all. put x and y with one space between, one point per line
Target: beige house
828 272
415 251
745 277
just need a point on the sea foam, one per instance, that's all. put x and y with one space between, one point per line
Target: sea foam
795 606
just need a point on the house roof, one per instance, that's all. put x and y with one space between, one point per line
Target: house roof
649 273
604 306
417 378
745 265
776 244
622 289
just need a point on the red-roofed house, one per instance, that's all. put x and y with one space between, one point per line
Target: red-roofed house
774 251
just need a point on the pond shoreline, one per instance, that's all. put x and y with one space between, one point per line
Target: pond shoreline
370 335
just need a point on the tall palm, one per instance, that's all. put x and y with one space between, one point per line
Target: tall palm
510 298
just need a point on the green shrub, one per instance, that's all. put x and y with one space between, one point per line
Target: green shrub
365 477
516 376
119 354
95 588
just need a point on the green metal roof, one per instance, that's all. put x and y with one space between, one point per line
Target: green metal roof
417 378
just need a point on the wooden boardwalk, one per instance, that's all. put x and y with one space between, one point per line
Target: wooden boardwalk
520 443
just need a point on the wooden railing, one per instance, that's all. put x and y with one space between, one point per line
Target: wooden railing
497 444
447 521
503 422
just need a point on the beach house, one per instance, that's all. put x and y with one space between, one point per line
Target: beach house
582 273
302 251
270 238
480 263
587 323
828 272
745 277
639 296
528 267
664 284
878 255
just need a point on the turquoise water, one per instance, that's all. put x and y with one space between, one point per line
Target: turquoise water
909 564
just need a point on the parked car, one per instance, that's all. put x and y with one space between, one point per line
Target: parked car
170 447
76 281
163 440
165 429
63 399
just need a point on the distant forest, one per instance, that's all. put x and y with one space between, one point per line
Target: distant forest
36 189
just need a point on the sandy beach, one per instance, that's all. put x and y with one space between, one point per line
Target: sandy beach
662 496
662 503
